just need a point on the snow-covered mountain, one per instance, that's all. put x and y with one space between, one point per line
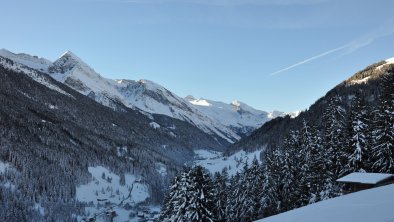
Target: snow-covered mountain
33 62
237 115
227 121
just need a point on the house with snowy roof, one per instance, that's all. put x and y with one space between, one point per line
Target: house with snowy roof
360 181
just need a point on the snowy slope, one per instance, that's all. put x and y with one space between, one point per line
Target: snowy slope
214 161
34 62
236 115
373 205
32 73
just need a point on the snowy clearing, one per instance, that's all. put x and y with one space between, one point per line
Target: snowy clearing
106 188
214 161
373 205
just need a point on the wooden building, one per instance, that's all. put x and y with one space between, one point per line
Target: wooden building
360 181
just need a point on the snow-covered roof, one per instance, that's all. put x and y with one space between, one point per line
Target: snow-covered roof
365 178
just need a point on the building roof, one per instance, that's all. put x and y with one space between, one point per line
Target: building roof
365 178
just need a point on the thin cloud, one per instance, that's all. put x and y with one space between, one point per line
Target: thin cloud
233 2
311 59
347 48
382 31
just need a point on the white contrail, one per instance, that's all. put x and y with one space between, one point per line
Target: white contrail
386 29
312 58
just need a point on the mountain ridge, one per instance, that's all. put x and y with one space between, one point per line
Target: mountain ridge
365 83
145 95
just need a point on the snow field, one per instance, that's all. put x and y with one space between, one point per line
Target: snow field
373 205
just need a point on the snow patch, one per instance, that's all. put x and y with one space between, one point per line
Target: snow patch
154 125
3 167
121 151
200 102
161 169
390 61
40 209
360 81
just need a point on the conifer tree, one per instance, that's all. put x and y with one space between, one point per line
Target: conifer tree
271 200
220 190
201 205
234 198
291 171
177 203
251 182
333 140
358 146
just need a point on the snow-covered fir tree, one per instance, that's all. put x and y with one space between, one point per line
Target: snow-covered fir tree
333 141
235 200
201 205
251 184
190 198
358 146
177 202
383 134
220 191
272 197
291 170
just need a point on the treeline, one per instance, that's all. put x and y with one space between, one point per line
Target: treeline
301 171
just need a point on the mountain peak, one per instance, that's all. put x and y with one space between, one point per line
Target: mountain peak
68 55
69 61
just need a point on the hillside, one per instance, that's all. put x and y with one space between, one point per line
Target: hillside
365 84
374 205
51 135
349 130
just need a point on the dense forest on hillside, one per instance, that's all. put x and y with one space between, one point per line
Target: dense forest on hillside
303 168
366 84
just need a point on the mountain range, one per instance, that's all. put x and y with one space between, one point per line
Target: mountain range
62 125
229 122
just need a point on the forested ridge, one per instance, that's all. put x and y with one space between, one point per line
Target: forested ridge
274 132
352 132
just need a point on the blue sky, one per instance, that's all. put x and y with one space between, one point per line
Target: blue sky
270 54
